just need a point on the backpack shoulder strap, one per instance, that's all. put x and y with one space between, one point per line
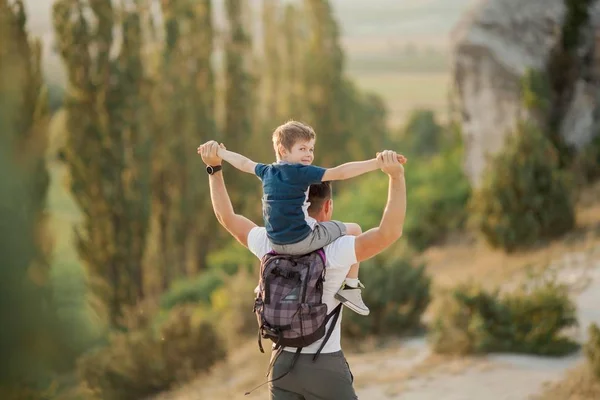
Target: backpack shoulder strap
335 314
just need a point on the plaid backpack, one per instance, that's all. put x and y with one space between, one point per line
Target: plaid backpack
289 304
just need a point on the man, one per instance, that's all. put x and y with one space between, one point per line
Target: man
328 377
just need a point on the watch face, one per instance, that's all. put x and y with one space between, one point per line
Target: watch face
211 170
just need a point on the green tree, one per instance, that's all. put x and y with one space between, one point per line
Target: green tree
292 61
524 196
563 69
107 149
186 79
323 80
29 344
23 91
239 102
422 133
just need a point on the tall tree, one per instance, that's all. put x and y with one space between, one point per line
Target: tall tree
187 81
324 81
22 89
107 148
294 52
239 101
272 71
28 343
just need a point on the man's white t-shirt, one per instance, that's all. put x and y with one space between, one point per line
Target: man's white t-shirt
340 255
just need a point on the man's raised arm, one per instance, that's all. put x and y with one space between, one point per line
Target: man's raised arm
237 225
374 241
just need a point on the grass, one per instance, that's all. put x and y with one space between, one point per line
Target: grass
577 384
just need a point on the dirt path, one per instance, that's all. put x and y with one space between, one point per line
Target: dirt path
421 376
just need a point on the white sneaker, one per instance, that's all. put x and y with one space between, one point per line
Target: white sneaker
351 298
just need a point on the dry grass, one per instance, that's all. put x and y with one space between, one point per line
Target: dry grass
578 384
243 370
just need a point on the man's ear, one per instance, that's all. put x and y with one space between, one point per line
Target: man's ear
327 206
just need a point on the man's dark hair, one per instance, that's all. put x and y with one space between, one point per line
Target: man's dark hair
317 196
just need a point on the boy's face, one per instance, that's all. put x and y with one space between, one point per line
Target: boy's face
301 153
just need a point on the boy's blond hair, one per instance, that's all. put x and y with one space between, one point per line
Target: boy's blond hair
290 133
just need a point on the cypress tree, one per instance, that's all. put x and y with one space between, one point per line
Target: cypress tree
107 148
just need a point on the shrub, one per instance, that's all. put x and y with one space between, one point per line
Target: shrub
586 165
439 194
529 321
232 307
397 294
142 363
437 197
524 197
422 134
230 258
592 349
192 291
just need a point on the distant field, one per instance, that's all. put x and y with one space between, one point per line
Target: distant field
405 92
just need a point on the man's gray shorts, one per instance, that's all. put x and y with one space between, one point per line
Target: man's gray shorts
327 378
323 234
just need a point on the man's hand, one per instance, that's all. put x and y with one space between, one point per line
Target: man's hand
209 153
391 163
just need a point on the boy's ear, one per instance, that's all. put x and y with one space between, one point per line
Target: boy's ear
282 151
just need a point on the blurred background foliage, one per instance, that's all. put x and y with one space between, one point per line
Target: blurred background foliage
116 280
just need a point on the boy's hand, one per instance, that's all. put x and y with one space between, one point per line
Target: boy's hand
209 152
403 160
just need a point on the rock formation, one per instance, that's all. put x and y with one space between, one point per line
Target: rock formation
494 46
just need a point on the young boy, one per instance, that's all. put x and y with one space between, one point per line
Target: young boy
285 192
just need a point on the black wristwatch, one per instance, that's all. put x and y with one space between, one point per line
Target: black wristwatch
213 169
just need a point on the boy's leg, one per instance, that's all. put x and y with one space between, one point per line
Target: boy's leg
353 230
350 293
323 234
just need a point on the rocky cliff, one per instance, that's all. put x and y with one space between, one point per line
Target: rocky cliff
494 46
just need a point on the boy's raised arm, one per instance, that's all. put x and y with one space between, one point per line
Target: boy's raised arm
355 168
239 161
350 170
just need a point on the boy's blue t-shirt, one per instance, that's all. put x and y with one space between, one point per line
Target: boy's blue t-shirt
285 188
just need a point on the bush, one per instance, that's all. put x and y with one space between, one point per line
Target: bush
592 349
232 307
524 197
586 165
143 362
528 321
230 258
422 134
437 197
397 294
192 291
439 194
